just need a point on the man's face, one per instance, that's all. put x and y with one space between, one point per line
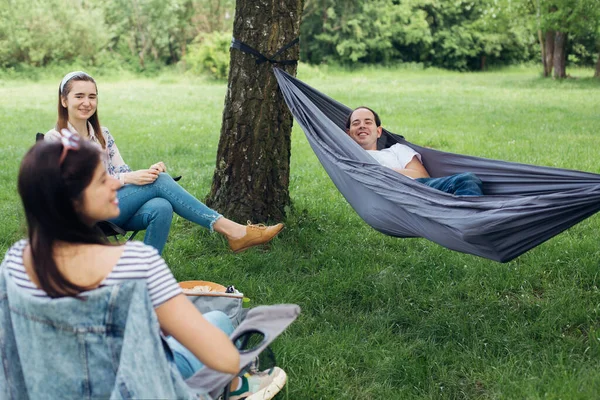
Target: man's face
363 129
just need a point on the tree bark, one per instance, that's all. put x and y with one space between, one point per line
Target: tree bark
549 53
560 57
543 39
543 49
251 178
597 74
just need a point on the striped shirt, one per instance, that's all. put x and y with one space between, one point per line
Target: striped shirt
138 261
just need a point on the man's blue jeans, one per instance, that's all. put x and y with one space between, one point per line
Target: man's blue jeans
465 184
186 362
151 207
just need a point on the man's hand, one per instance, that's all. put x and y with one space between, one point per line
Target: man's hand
142 177
159 166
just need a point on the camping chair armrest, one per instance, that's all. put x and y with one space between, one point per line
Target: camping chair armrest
270 321
110 229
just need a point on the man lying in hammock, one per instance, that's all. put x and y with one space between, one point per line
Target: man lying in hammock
364 127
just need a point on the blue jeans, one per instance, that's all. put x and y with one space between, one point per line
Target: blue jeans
465 184
151 207
186 362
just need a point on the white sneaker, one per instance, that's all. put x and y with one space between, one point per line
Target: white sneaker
262 385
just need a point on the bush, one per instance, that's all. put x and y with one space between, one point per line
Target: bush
210 54
43 33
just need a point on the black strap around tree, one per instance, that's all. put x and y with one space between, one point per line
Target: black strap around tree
261 58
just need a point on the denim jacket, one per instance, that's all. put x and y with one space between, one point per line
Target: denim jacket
104 344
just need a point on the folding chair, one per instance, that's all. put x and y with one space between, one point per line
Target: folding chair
131 332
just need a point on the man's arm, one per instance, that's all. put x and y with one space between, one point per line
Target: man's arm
413 169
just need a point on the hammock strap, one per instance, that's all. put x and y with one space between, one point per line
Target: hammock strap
261 58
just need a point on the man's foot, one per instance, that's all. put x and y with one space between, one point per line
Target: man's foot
255 235
261 385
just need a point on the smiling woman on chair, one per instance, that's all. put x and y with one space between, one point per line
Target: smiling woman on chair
147 197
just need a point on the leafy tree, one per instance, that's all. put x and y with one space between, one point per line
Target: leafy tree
468 34
457 34
39 32
209 50
500 33
597 73
213 15
409 29
147 28
460 34
324 26
210 54
163 29
138 32
557 21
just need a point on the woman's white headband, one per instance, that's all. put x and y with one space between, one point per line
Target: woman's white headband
70 76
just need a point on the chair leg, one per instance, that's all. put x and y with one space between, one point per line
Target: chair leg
115 238
132 236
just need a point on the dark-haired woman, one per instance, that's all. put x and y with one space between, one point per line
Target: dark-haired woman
65 191
147 197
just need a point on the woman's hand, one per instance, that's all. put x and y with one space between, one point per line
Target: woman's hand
141 177
159 166
178 317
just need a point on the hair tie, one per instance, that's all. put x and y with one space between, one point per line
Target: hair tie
70 76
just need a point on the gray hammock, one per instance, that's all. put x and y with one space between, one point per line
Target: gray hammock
523 205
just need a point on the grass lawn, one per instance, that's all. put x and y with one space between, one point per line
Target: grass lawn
382 318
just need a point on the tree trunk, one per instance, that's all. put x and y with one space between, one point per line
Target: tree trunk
251 177
183 53
543 49
597 74
549 53
560 57
541 37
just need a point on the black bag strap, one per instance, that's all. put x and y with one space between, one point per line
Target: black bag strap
261 58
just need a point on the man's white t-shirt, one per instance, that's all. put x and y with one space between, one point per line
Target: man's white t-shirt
396 156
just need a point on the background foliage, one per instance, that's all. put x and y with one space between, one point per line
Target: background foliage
145 35
449 34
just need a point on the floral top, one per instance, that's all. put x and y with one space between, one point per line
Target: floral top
113 162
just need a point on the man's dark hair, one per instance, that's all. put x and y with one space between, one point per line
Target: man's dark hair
49 191
349 121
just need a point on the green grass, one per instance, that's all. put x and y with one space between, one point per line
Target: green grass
382 318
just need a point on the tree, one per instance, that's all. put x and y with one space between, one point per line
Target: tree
559 20
43 32
151 30
469 34
251 176
460 34
597 73
162 29
330 29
